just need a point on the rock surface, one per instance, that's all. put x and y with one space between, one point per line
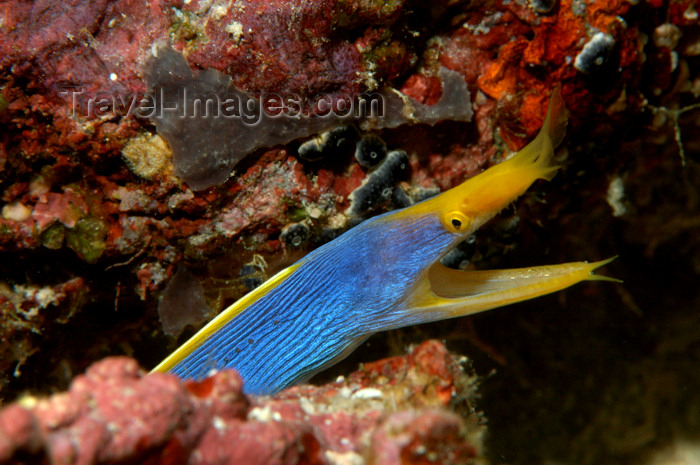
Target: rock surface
394 411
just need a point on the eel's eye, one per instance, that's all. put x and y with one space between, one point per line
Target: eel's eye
456 222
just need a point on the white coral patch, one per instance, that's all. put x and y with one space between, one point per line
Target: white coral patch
616 195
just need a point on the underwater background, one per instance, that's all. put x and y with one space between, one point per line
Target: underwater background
107 250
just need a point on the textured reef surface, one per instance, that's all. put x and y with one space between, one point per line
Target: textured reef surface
105 249
393 411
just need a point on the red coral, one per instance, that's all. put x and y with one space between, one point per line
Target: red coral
67 208
116 414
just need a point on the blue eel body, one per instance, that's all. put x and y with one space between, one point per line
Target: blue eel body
327 307
382 274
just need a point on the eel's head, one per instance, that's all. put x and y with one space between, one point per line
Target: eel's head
465 208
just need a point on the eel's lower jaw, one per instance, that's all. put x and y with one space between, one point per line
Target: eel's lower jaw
447 293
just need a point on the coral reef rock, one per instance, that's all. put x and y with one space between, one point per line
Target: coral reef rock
394 411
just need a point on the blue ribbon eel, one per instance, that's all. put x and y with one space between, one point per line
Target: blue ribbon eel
382 274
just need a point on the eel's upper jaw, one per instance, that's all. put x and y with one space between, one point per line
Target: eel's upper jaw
486 194
447 293
483 196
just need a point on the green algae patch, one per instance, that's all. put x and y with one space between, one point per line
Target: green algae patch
87 239
297 214
53 237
